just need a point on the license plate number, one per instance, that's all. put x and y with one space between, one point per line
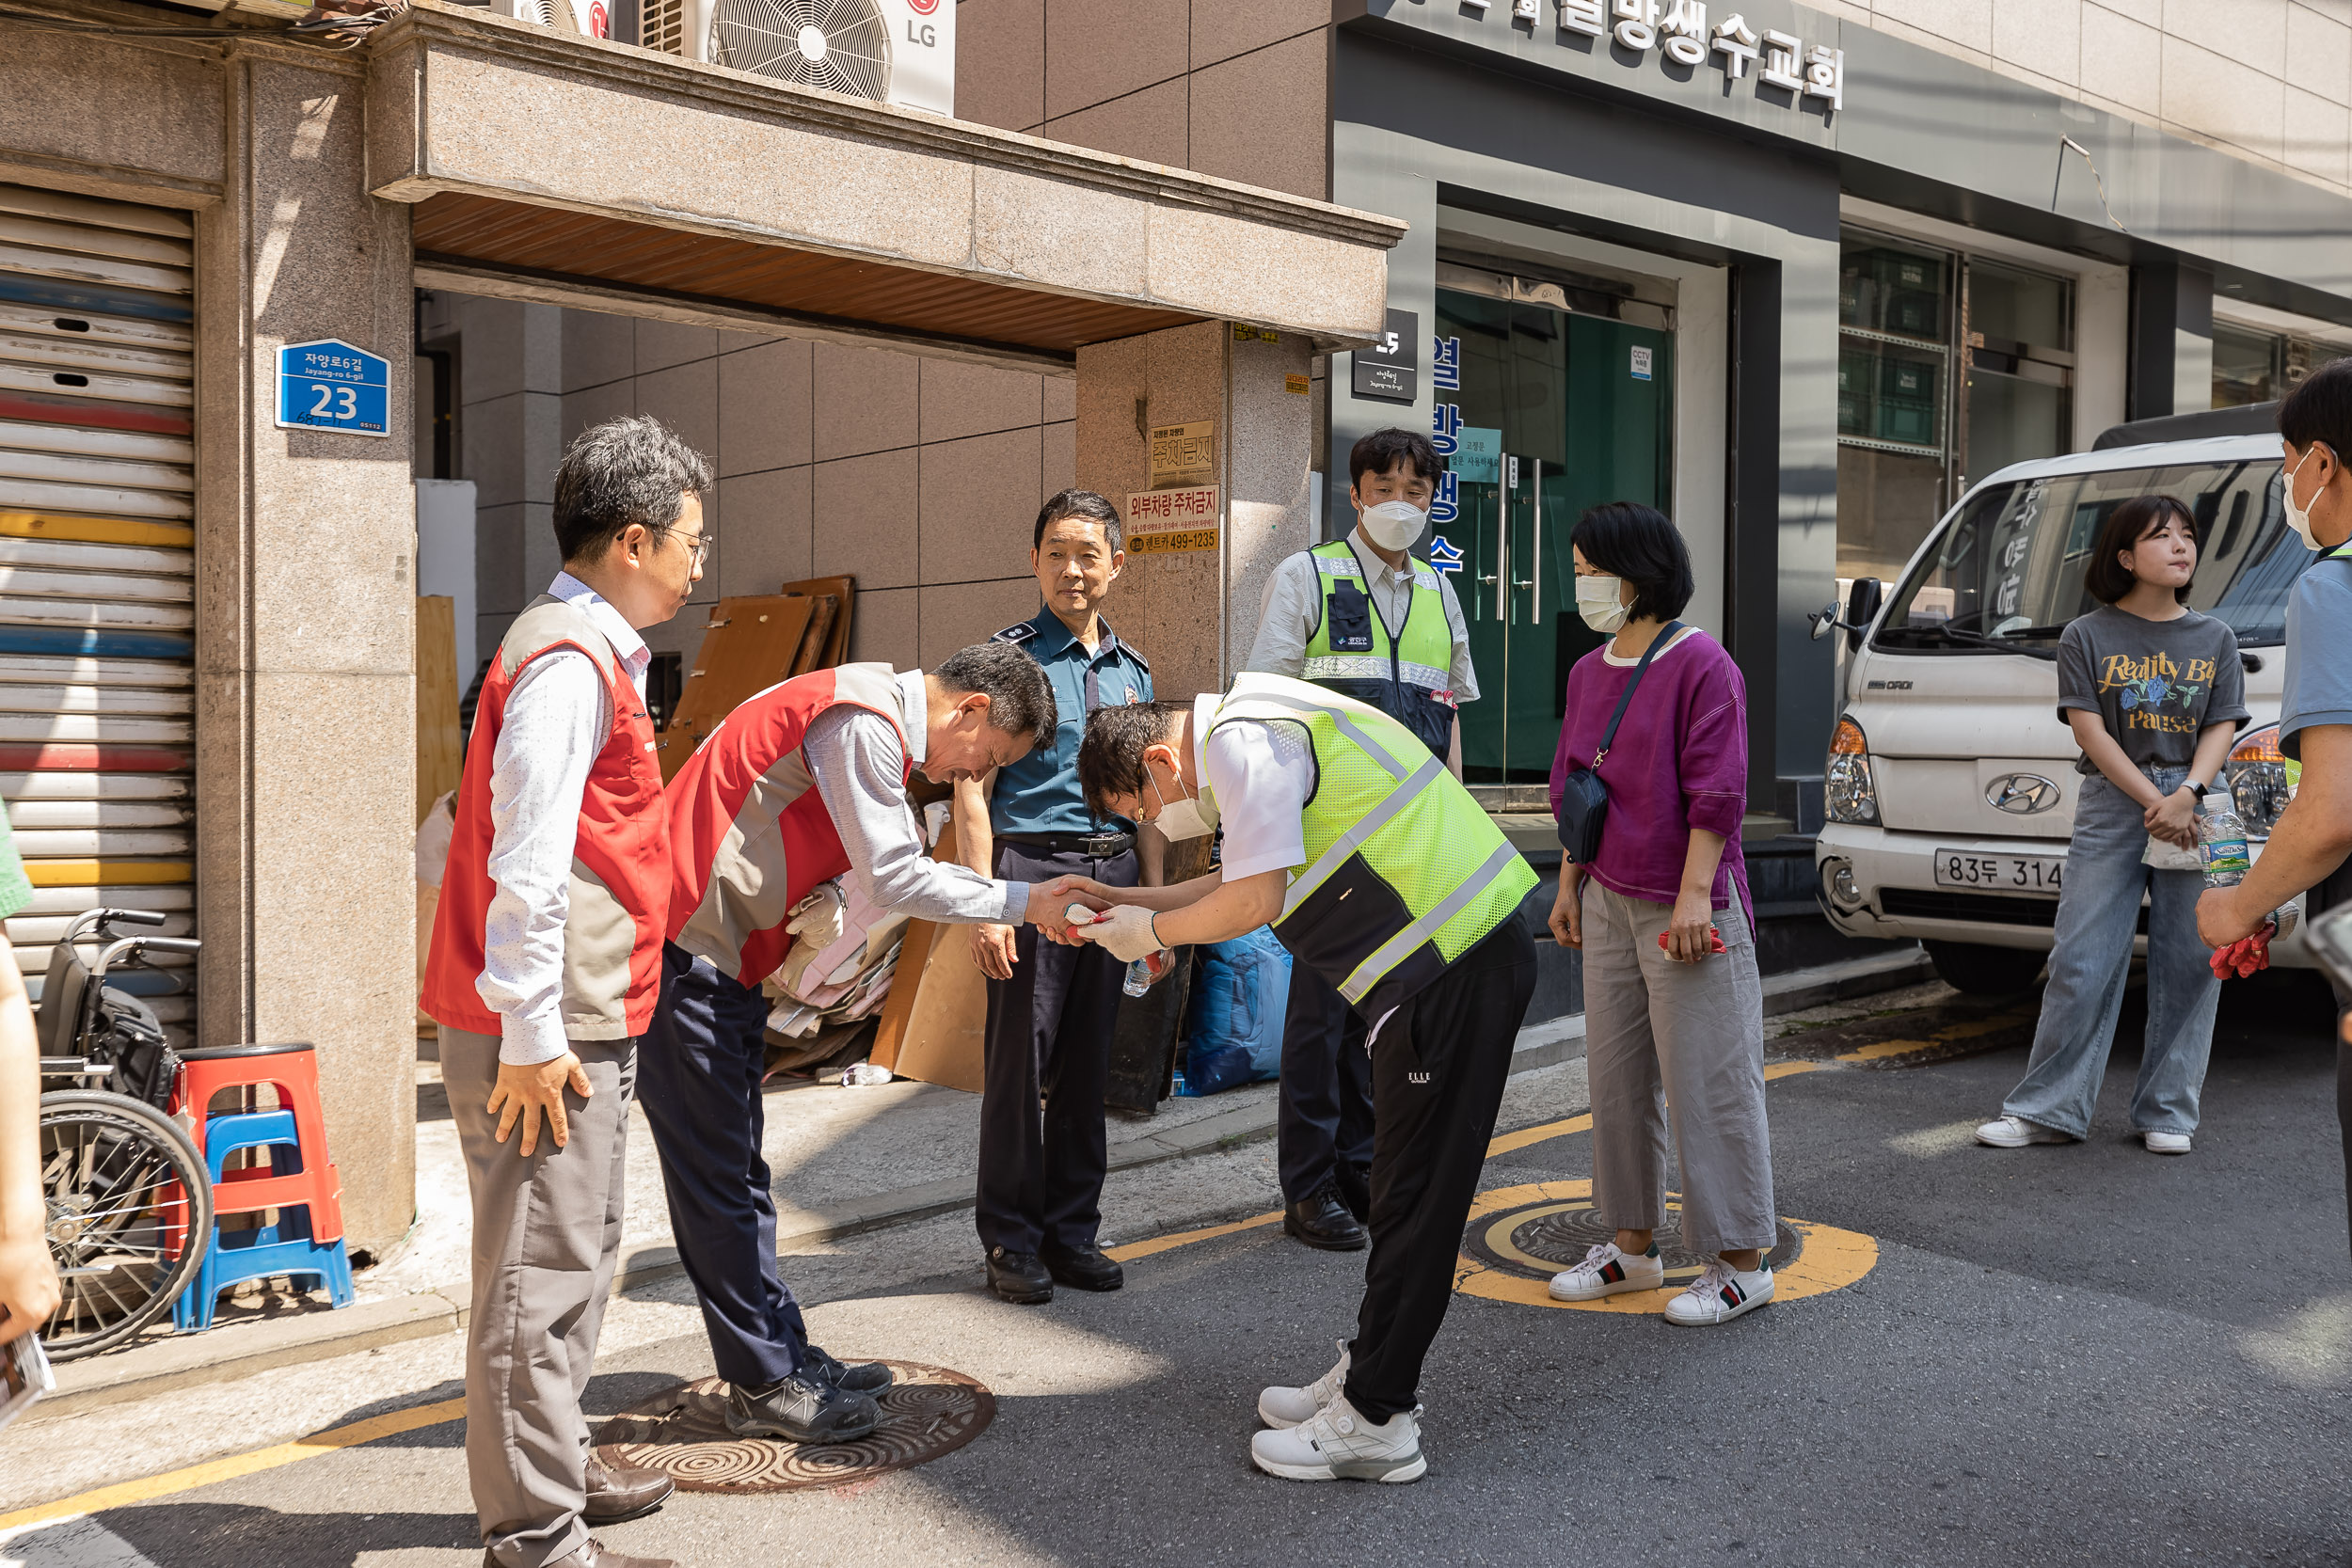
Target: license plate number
1999 873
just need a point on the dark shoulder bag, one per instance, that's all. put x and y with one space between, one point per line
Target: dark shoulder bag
1583 799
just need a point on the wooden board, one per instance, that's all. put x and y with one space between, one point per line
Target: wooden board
844 589
748 645
825 610
440 744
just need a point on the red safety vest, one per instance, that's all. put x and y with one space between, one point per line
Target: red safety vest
749 835
620 887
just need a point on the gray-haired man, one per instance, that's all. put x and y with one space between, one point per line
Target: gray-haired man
544 972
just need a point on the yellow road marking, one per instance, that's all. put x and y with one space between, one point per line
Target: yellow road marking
1879 1051
379 1427
318 1443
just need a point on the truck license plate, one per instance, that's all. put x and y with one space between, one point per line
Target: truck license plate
1999 873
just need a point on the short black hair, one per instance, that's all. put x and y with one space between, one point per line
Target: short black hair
2106 576
1110 758
633 469
2320 409
1639 544
1019 698
1377 452
1086 504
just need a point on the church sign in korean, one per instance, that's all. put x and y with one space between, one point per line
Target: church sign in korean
1682 31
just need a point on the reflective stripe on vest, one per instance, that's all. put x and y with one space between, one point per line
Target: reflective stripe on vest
749 834
619 894
1389 822
1400 675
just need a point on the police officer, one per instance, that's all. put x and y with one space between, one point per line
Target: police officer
1379 873
1358 616
1051 1008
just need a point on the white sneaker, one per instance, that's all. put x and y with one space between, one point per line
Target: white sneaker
1607 1270
1284 1408
2016 1133
1337 1444
1718 1295
2166 1143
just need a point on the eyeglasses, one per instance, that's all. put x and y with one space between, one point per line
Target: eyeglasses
697 548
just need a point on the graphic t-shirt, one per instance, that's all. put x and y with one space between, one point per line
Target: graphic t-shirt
2153 684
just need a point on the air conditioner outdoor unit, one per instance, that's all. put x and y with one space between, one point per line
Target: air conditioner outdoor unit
901 52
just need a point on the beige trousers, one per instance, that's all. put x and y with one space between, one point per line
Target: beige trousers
1668 1042
547 1232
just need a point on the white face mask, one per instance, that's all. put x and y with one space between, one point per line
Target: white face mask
1182 819
1596 602
1395 525
2299 517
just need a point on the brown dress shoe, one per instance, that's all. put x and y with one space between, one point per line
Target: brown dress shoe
592 1553
618 1491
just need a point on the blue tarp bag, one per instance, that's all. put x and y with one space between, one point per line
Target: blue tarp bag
1233 1033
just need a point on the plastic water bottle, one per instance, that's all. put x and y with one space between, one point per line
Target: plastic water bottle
2221 835
1138 977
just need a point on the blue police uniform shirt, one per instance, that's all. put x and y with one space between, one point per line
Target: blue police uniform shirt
1040 792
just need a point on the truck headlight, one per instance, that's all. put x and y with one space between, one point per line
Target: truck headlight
2257 776
1852 795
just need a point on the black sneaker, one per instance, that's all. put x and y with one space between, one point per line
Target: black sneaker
804 1408
1020 1278
864 1377
1083 1268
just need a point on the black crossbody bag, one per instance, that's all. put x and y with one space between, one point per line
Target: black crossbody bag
1583 799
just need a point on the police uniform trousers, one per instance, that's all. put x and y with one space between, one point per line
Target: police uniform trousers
1049 1040
547 1232
1323 1123
699 1078
1439 1067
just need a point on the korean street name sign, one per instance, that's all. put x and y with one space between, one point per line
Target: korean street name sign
330 385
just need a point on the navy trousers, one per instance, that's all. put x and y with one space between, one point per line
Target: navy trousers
1324 1124
698 1078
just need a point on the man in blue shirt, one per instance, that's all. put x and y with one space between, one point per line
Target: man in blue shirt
1051 1008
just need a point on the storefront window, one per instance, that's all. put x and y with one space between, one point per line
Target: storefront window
2254 365
1947 366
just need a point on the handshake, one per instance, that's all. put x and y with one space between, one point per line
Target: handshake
1122 930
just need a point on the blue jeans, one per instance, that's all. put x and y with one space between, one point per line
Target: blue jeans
2090 960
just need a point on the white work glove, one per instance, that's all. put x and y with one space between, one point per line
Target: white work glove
1123 931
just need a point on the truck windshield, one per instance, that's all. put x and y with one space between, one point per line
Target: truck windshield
2006 574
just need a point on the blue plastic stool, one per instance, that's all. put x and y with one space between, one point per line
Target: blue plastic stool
283 1248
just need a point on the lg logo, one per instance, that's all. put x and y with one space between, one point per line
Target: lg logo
925 34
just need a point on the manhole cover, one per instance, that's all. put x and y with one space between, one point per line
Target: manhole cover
928 1412
1555 1237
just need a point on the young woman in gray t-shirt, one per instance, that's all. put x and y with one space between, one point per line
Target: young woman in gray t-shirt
2153 693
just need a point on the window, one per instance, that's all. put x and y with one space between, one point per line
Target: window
2254 365
1948 367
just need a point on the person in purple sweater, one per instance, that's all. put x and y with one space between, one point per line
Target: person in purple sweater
1674 1023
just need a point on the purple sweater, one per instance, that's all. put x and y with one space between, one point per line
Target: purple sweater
1679 762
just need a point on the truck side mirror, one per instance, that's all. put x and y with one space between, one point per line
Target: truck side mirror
1863 602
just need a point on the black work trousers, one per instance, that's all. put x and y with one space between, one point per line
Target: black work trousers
1323 1125
1439 1066
1049 1040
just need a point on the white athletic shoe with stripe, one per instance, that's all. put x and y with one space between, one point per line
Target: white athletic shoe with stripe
1282 1408
1718 1295
1607 1270
1337 1444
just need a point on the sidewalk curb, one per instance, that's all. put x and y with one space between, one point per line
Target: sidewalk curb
223 1354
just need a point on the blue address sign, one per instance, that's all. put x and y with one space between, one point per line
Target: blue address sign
330 385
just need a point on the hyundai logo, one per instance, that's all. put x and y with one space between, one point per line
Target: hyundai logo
2020 794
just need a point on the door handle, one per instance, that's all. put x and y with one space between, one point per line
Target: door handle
1521 582
1488 577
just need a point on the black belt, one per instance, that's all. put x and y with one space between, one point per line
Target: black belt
1094 846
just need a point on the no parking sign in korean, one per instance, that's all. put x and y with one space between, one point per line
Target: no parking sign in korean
330 385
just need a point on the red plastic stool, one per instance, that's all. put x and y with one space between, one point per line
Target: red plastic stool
290 1069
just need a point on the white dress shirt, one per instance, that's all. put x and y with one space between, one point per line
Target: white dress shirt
1260 775
557 719
1293 608
855 756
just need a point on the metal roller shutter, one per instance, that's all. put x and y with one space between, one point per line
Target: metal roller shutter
97 570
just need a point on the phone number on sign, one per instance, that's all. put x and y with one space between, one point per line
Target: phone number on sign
1175 539
2018 873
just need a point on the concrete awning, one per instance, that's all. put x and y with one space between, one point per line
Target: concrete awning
578 172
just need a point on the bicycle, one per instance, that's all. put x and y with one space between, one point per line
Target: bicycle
130 1202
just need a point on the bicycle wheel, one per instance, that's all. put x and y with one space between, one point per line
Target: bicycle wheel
129 1216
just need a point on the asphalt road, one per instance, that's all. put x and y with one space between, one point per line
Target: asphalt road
2052 1355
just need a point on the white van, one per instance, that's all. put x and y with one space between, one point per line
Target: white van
1951 780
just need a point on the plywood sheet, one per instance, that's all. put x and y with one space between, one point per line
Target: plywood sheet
440 744
844 589
748 645
935 1025
825 610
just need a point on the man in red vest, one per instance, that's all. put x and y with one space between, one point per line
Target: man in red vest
545 968
804 783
